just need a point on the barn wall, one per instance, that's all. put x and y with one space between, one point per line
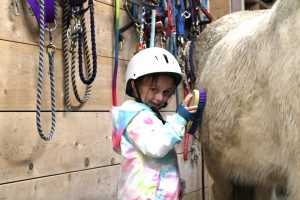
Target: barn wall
78 163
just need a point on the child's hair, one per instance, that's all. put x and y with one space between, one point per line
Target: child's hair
152 60
154 79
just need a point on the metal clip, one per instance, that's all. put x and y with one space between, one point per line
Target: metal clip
73 45
30 11
16 7
51 46
50 29
122 45
181 41
186 14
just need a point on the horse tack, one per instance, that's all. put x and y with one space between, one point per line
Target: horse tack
77 12
49 16
46 14
73 11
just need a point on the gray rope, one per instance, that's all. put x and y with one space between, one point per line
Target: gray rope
40 74
66 24
88 64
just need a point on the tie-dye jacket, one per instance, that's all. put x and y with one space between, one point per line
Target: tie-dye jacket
149 167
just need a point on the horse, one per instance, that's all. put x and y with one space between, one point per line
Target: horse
249 64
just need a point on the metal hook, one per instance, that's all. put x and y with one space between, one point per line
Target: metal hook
186 14
30 11
16 7
51 28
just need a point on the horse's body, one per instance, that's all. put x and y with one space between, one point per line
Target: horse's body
250 65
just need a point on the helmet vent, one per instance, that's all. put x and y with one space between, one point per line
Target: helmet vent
166 58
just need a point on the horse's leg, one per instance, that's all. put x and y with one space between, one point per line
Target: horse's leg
242 192
221 189
263 193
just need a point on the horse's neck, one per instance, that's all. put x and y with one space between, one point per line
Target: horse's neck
283 9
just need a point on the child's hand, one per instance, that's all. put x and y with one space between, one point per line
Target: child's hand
186 102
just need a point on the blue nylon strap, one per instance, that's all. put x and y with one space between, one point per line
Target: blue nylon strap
180 19
198 117
184 113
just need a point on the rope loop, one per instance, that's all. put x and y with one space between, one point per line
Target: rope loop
71 33
51 72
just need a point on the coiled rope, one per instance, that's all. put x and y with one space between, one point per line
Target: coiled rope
66 32
93 40
50 52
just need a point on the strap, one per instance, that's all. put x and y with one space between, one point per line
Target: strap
184 113
116 64
48 11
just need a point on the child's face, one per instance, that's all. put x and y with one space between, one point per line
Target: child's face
155 93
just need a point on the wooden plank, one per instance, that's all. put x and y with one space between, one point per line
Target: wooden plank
18 81
75 147
82 140
24 28
219 8
99 183
196 195
190 171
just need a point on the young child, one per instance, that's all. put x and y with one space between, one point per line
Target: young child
149 166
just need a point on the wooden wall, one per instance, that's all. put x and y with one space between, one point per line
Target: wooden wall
78 163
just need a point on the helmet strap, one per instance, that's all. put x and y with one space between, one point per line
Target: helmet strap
158 115
134 87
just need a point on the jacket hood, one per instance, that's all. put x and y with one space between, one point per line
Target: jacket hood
121 117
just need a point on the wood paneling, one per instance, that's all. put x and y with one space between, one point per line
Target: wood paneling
93 184
78 163
219 8
82 140
96 183
24 28
18 80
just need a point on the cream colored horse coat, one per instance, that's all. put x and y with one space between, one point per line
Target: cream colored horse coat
249 62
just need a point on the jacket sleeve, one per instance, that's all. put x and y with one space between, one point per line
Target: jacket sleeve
153 138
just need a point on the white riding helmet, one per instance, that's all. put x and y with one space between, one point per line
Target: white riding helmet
151 61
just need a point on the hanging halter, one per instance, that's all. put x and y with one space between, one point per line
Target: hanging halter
46 14
74 28
49 11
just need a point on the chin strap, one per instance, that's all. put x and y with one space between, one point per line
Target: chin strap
158 115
